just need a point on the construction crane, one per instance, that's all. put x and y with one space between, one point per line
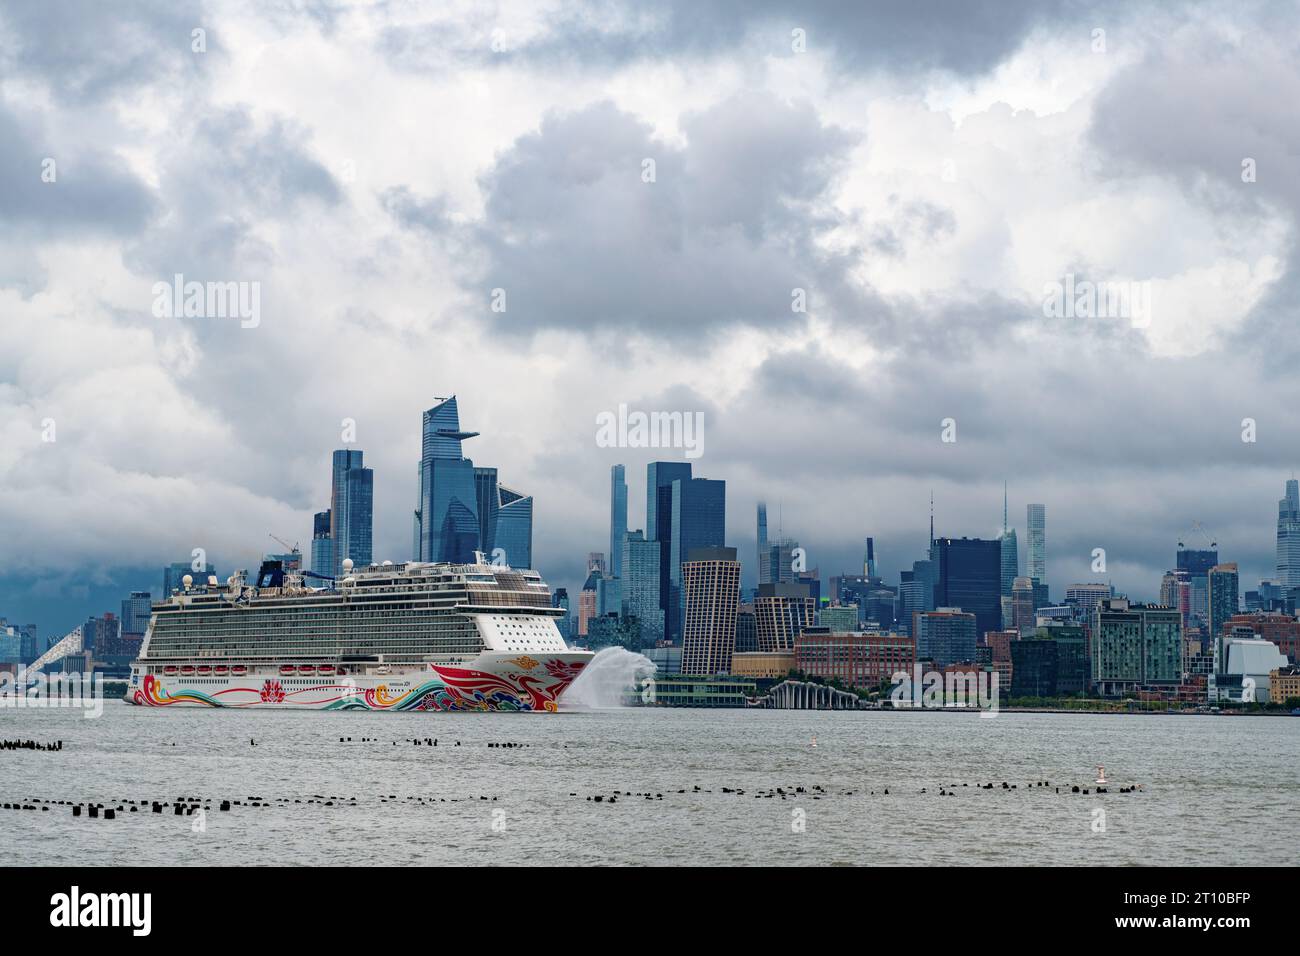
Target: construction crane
293 550
1200 529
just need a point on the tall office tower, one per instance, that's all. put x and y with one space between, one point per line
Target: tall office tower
514 531
100 634
174 575
640 592
560 599
781 611
322 545
1288 536
946 635
1224 594
289 560
915 592
699 517
1176 592
136 611
351 509
609 596
587 602
660 476
1022 605
762 539
1134 645
968 575
596 562
1036 561
1086 597
776 561
617 518
1197 564
1010 551
446 521
711 599
487 501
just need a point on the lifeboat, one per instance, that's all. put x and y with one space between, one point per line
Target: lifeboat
307 669
286 670
170 670
325 670
221 670
238 670
187 670
204 669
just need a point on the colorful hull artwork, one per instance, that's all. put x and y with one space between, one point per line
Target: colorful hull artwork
520 683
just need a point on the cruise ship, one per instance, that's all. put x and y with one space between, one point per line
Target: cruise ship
412 636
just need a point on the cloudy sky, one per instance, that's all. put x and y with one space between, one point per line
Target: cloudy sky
925 172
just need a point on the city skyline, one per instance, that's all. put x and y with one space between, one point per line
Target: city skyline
897 174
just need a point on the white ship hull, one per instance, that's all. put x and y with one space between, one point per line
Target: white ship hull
491 681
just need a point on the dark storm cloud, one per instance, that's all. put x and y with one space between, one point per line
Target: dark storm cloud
90 188
87 50
723 235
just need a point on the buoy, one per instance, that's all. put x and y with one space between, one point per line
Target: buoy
1101 775
814 741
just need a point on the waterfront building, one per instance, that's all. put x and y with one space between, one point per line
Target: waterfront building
763 665
969 576
1284 686
863 659
1134 645
1282 629
1247 663
711 595
667 658
1049 662
617 518
946 635
781 611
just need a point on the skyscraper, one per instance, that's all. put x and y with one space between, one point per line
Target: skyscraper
1036 562
617 518
1010 551
699 512
322 545
711 597
351 510
968 575
762 539
1288 536
136 611
660 476
463 509
869 559
1223 596
640 592
781 611
1197 564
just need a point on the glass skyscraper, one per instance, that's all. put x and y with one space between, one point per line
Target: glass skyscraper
640 592
1288 537
969 576
322 545
463 509
660 476
351 510
699 520
617 518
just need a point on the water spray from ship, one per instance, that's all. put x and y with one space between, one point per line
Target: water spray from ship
611 676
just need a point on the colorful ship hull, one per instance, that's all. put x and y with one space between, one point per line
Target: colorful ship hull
492 682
